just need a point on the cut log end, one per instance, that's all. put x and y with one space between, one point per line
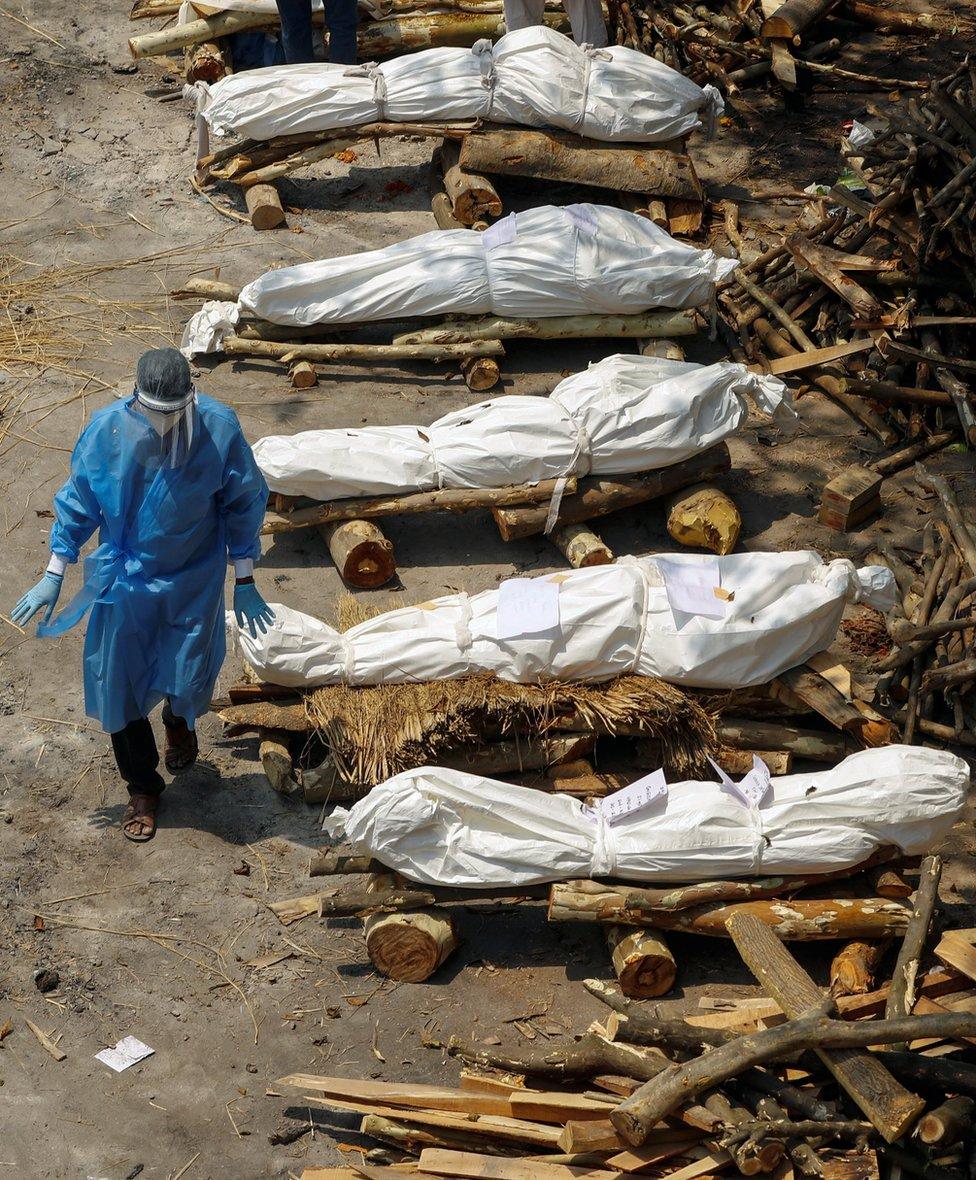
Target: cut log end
705 518
409 947
581 547
264 206
480 373
363 555
642 962
303 376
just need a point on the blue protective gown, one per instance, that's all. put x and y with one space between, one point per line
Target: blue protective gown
155 584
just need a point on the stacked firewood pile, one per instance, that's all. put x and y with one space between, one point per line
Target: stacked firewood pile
737 44
797 1080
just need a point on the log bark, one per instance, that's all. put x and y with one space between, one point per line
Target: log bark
560 327
704 517
901 998
205 63
642 962
389 38
797 920
561 156
589 1056
882 16
195 32
908 455
948 1123
277 763
581 547
409 947
473 197
208 288
744 733
600 495
890 1107
945 1075
363 555
447 500
523 754
353 353
853 967
264 206
333 864
889 392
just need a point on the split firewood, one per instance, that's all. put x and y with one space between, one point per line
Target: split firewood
853 967
791 19
362 554
704 517
799 920
601 495
442 500
561 156
830 703
642 962
473 197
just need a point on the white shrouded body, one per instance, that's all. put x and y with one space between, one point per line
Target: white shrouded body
782 608
447 827
622 414
550 261
535 77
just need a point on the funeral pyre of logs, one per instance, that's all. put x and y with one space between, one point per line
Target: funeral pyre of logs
734 44
796 1081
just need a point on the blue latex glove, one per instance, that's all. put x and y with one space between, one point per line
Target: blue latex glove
250 609
44 594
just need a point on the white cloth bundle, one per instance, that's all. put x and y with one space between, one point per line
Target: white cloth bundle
578 259
623 414
778 610
446 827
535 76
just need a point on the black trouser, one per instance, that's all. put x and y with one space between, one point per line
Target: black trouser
137 756
296 30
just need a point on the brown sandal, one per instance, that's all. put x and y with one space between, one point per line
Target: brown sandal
182 747
140 811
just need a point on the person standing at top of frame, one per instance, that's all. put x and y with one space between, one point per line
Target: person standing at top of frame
341 18
585 18
168 480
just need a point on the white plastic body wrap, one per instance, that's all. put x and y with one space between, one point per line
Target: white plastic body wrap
613 619
446 827
623 414
535 76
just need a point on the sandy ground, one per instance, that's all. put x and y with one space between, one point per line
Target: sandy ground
98 222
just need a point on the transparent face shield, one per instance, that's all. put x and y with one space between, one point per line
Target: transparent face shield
172 421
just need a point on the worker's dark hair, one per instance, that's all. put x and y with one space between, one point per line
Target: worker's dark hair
164 373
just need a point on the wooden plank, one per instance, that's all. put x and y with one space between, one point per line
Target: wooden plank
818 356
956 950
468 1166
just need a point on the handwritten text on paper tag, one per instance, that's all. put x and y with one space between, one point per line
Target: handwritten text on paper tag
692 586
753 788
627 800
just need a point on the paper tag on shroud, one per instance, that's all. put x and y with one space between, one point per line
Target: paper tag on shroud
691 586
753 788
634 797
526 606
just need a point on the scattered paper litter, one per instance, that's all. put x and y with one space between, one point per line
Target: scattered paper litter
128 1051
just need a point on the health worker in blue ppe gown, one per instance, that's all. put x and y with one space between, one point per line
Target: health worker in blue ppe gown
168 481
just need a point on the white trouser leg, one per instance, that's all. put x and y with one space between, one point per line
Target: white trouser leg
586 18
521 14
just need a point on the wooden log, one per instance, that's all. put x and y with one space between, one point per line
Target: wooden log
208 288
363 555
821 262
324 784
850 499
195 32
440 203
356 353
405 34
882 16
303 375
332 864
740 761
948 1123
600 495
889 392
704 517
751 1155
798 920
581 547
744 733
957 390
264 206
277 763
409 947
480 373
473 197
901 998
908 455
561 156
958 524
522 754
445 500
642 962
890 1107
589 1056
853 967
943 1074
204 62
817 692
560 327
